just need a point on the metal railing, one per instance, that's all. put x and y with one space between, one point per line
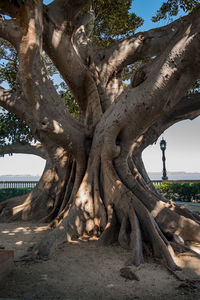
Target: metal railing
175 181
32 184
17 184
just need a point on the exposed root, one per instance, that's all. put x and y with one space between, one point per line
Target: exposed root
130 236
26 207
160 248
181 249
111 231
174 273
124 233
104 205
69 187
128 273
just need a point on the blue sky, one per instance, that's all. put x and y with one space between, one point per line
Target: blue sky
183 139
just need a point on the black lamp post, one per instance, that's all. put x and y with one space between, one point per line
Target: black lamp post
163 148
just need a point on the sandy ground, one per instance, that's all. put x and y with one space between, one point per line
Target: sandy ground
84 271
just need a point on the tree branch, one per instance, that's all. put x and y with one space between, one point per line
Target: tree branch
166 80
66 9
59 40
56 35
9 8
10 31
25 148
141 45
14 102
187 108
38 90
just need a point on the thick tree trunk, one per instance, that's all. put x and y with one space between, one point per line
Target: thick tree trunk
112 205
94 183
105 207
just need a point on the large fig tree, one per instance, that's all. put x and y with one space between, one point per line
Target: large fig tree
95 182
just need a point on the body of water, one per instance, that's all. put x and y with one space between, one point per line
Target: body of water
19 178
152 175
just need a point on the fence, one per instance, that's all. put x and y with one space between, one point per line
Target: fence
17 184
174 181
32 184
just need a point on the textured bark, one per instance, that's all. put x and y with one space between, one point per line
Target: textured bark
94 183
44 201
24 148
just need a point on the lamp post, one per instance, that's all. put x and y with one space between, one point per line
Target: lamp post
163 148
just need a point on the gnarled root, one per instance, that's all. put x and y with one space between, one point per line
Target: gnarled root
105 206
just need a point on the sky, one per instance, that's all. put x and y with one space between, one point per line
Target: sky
183 139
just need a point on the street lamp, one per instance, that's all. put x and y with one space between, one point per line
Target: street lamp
163 148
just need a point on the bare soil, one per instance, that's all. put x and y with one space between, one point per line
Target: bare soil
83 270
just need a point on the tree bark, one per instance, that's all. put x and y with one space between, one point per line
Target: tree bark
94 180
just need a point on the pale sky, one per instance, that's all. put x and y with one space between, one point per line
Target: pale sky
183 149
183 139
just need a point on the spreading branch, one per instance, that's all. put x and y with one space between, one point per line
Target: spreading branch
9 8
59 40
172 78
14 101
10 31
38 89
187 108
25 148
65 10
140 46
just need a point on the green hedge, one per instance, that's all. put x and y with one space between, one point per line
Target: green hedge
180 191
9 193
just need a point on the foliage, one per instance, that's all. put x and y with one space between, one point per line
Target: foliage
8 63
14 192
116 25
68 99
171 8
195 88
13 130
107 28
180 191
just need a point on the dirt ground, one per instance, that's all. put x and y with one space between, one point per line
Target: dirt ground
84 271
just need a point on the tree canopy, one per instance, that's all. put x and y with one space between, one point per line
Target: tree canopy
107 28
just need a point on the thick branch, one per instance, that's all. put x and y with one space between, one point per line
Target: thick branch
14 101
25 148
142 45
187 108
58 40
166 80
66 9
9 30
49 113
9 8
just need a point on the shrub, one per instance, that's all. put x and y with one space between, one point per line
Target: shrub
10 193
180 191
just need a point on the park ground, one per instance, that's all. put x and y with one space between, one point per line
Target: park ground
82 270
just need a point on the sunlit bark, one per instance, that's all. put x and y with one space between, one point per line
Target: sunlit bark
94 179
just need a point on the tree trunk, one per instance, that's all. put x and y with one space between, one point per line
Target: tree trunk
94 183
